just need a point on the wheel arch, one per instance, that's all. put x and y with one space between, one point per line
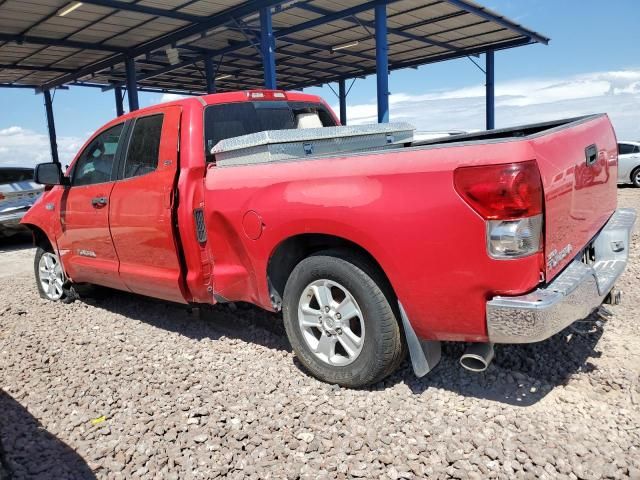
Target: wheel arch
40 238
291 251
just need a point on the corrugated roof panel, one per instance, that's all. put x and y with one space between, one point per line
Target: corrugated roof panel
305 56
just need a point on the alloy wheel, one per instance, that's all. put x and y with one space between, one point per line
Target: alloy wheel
331 322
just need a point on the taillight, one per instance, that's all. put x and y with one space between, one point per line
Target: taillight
509 197
503 192
2 197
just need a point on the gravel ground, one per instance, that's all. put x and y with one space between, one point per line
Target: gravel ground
119 386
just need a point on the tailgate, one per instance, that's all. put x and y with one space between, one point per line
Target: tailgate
578 164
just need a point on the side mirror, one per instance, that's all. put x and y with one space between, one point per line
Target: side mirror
49 174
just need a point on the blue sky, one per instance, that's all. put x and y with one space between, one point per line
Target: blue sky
591 40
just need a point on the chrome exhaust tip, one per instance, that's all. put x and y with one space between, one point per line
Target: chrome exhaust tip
477 357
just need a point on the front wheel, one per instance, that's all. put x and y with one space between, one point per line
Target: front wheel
339 321
49 275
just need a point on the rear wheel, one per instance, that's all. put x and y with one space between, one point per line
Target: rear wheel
339 321
635 177
50 277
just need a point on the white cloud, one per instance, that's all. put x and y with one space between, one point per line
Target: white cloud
23 147
170 97
5 132
524 101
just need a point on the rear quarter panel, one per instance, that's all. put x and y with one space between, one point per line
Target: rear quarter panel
399 206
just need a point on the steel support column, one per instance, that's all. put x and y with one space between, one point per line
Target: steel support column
209 74
132 88
490 91
119 107
268 48
342 96
382 62
51 126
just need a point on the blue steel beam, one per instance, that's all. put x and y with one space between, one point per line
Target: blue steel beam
229 51
32 68
481 12
108 39
416 62
342 97
14 85
140 89
331 16
267 48
119 106
51 126
209 74
382 63
213 21
395 31
132 87
490 91
286 63
136 7
170 68
20 39
322 48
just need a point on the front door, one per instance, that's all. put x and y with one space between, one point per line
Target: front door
141 207
85 244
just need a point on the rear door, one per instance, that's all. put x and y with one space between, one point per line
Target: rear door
86 249
141 206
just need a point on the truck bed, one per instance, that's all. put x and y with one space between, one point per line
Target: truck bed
518 132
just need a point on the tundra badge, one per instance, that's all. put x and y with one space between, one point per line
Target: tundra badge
555 257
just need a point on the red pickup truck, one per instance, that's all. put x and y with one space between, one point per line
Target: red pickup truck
370 250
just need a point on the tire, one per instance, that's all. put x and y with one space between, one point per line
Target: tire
356 350
50 278
635 177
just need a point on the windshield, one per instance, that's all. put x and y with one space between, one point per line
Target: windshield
235 119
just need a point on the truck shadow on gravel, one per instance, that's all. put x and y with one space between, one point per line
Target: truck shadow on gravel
20 241
519 375
27 450
240 321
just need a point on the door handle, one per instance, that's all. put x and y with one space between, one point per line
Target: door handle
99 202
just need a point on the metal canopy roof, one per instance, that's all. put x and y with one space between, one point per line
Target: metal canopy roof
317 41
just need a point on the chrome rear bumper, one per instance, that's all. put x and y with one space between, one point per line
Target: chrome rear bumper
571 296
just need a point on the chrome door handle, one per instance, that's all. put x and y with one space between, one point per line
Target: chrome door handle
99 202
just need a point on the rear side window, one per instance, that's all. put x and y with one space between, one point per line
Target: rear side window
96 161
144 146
626 148
15 175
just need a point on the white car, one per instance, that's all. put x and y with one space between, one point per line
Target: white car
629 163
18 191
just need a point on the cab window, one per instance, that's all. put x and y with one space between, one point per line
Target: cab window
96 161
144 146
229 120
